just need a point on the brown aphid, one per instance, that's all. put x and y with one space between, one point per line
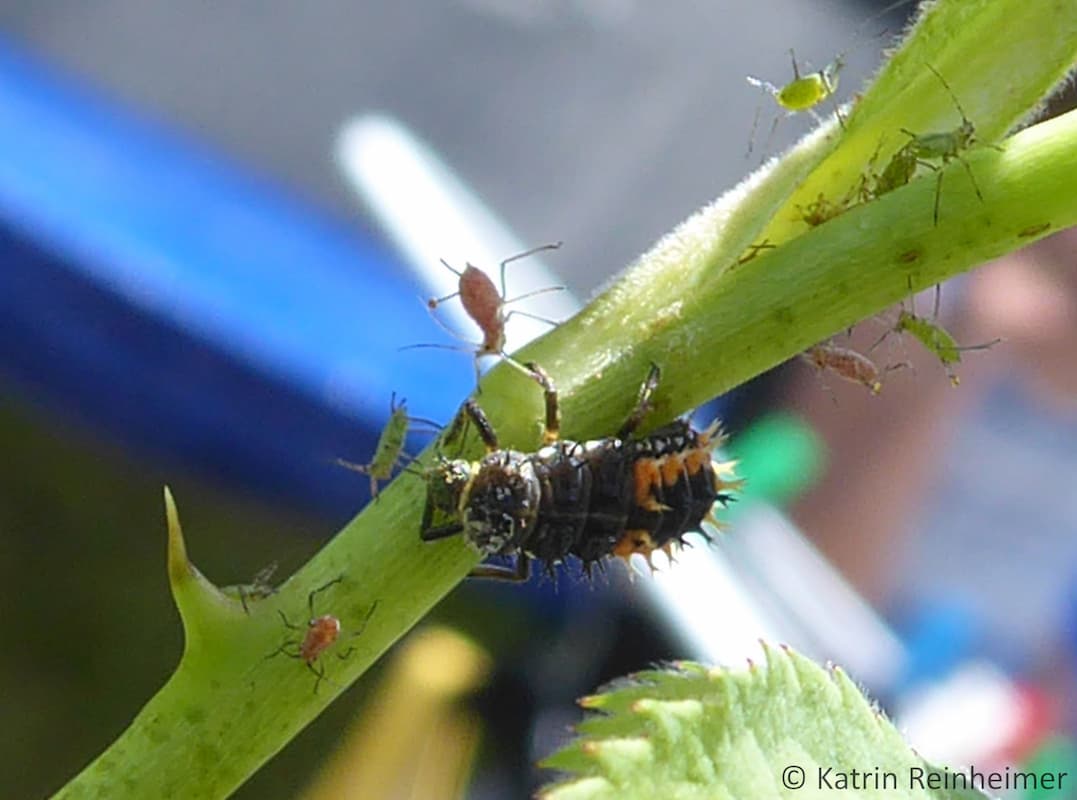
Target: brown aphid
319 634
486 305
845 363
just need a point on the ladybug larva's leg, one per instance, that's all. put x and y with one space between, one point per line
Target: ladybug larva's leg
552 432
518 575
486 430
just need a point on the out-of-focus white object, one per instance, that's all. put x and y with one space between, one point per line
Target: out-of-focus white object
822 616
969 716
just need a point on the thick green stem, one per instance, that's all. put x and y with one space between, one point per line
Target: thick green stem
708 319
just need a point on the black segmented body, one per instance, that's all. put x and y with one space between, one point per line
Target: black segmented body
616 496
592 499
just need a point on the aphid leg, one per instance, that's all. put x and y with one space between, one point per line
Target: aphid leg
494 572
456 428
517 257
528 314
358 632
319 671
938 196
643 403
754 250
486 430
552 431
294 652
290 625
366 619
525 295
751 145
972 179
363 469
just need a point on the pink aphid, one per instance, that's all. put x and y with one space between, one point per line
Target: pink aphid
845 363
486 305
319 634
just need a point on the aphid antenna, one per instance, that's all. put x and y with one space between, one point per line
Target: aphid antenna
434 302
457 348
957 103
315 592
540 249
443 326
451 269
346 654
759 83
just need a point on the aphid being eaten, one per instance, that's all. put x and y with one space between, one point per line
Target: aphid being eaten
845 363
389 451
934 337
319 634
616 496
258 589
486 305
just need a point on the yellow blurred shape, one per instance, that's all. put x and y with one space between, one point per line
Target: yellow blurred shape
414 740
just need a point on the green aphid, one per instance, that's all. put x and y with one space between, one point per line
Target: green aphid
258 589
389 451
923 149
897 172
936 338
804 92
939 341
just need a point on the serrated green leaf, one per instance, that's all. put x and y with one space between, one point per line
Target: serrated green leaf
693 733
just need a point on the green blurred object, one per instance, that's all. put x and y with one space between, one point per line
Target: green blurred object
779 457
1057 755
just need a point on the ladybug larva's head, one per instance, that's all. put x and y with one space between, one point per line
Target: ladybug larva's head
501 503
